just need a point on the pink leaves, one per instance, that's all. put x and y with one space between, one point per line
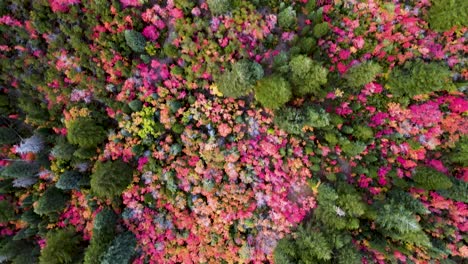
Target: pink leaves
62 5
150 32
131 3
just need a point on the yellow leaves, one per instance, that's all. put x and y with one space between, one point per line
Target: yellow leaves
215 90
338 92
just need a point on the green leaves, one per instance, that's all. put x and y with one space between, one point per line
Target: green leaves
52 201
307 75
62 246
273 91
362 73
20 169
85 132
445 14
240 79
418 77
287 18
431 179
110 178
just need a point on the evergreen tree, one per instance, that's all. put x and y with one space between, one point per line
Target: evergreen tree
7 211
445 14
110 178
52 201
62 246
103 233
20 169
85 132
135 40
121 249
418 77
431 179
363 73
8 136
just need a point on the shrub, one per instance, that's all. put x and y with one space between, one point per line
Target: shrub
218 7
62 246
69 180
431 179
287 18
85 132
362 73
307 75
53 200
8 136
20 169
110 178
445 14
240 79
103 233
135 40
7 211
273 91
121 249
460 154
417 77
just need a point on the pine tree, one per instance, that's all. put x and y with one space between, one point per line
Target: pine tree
110 178
430 179
62 246
121 249
20 169
362 73
85 132
52 201
103 233
135 40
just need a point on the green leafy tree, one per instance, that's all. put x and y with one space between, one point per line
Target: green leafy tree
121 249
85 132
293 120
52 201
110 178
103 234
240 79
273 91
135 40
418 77
445 14
321 29
62 246
218 7
307 75
287 19
362 73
